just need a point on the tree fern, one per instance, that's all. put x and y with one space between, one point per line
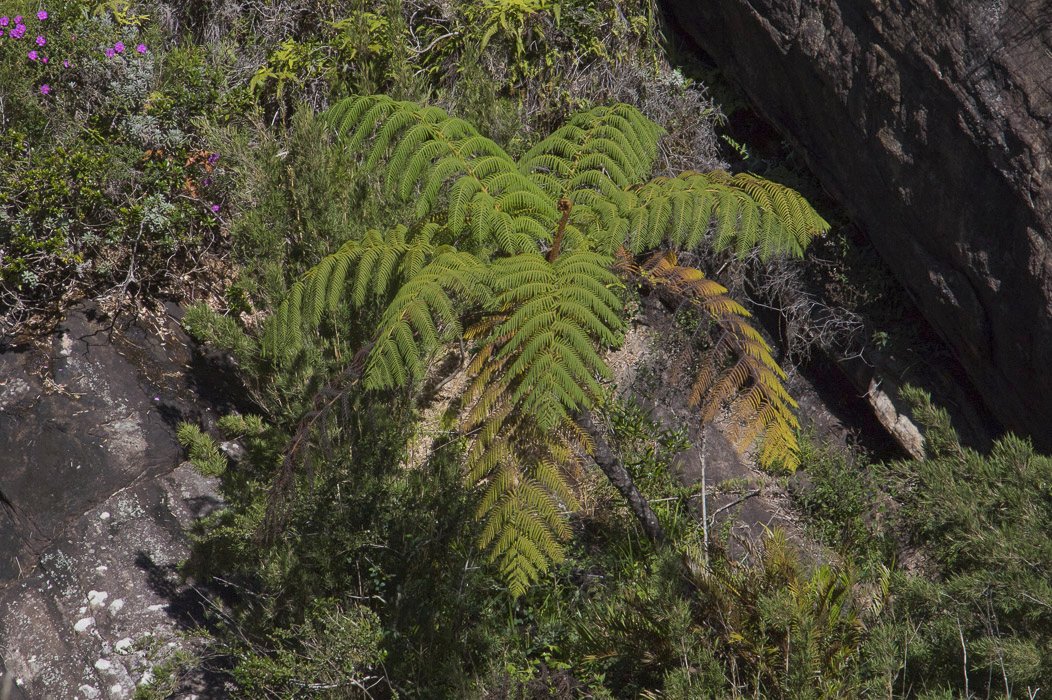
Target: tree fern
528 249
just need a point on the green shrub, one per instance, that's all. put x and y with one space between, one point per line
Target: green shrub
107 187
334 653
841 500
981 524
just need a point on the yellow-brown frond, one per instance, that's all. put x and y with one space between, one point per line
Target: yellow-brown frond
740 371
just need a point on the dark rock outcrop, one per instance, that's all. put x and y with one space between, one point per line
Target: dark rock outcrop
932 122
94 507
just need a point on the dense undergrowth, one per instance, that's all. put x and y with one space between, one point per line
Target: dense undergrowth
172 151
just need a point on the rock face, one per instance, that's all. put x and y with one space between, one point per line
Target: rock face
932 122
93 508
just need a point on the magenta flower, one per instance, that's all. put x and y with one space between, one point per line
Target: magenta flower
18 19
18 32
43 60
41 41
42 15
65 64
45 89
110 53
32 55
141 48
213 159
119 47
4 21
214 208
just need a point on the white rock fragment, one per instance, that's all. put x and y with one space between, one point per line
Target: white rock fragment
103 665
156 608
117 691
96 599
83 624
116 606
101 569
123 646
104 515
147 678
82 609
89 692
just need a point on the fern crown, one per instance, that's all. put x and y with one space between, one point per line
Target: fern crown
537 249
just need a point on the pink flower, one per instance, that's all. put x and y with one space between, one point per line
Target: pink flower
41 41
4 21
110 53
65 64
119 47
141 48
44 60
42 15
214 208
18 19
32 55
45 89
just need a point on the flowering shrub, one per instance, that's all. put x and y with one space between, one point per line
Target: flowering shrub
104 185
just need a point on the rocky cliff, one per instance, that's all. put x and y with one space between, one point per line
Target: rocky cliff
94 506
932 122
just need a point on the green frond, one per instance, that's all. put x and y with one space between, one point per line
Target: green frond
522 473
427 283
555 315
605 149
422 314
539 364
742 212
427 155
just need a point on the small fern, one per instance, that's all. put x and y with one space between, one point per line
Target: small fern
529 248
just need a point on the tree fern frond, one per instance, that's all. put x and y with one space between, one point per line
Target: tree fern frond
422 313
605 148
539 364
428 153
739 365
747 212
525 492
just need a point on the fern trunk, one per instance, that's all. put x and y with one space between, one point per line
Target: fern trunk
622 481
